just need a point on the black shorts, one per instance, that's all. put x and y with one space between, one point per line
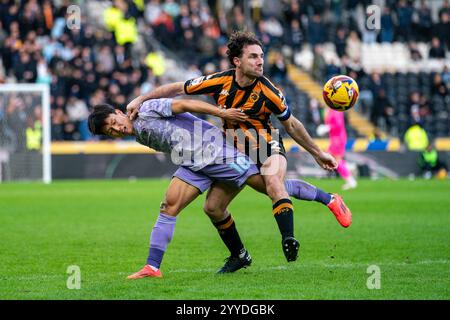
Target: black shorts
261 154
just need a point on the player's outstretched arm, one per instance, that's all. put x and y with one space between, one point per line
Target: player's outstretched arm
165 91
298 132
186 105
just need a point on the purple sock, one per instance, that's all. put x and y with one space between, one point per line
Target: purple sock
161 235
302 190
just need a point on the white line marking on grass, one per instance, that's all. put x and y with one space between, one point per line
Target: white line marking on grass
299 265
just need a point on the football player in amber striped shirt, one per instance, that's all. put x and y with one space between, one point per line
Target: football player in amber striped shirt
244 87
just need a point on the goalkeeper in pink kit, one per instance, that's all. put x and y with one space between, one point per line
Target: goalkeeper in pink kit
335 126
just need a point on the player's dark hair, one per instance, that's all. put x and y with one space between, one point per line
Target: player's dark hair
97 118
238 40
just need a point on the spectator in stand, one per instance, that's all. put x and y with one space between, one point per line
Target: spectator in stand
11 17
441 30
183 20
105 60
315 112
319 64
43 75
446 77
424 109
262 34
238 19
316 31
382 109
171 7
207 49
376 85
275 31
294 36
424 21
340 42
293 11
164 29
336 11
317 6
332 68
152 11
387 26
351 68
354 46
405 13
25 69
419 108
351 7
437 51
59 118
78 113
445 8
278 69
16 118
189 52
438 87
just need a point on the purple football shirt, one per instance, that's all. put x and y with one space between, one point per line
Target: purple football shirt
191 142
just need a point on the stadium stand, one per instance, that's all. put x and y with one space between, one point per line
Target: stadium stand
124 48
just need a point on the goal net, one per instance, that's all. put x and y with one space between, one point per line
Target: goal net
25 133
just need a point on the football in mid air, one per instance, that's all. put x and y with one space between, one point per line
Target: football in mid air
340 93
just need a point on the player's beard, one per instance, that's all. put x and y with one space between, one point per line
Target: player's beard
254 73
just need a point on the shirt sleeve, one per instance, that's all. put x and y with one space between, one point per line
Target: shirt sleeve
204 85
156 108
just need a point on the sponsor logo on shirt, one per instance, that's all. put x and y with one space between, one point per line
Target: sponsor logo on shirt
197 81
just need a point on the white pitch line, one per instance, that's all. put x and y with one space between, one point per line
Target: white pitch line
342 265
299 265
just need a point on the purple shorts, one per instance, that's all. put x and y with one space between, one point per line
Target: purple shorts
234 174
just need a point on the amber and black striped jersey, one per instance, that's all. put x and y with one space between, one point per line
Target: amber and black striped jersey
258 101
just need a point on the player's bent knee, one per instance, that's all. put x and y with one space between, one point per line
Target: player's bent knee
213 211
275 189
209 208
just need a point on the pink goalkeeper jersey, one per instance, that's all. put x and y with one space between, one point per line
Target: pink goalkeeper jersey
338 134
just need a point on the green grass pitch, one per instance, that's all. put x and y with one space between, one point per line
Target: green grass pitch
403 227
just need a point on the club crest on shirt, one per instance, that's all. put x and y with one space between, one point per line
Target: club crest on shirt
254 96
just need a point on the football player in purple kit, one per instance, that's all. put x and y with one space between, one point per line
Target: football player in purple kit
244 87
206 161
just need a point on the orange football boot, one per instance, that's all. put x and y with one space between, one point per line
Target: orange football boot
340 211
146 271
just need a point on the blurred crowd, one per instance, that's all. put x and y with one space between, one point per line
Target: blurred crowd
110 56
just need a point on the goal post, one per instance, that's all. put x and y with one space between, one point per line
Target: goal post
25 132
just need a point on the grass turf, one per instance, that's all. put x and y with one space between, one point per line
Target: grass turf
104 226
